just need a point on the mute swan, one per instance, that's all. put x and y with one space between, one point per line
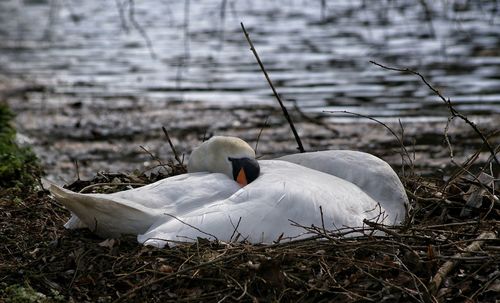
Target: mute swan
267 195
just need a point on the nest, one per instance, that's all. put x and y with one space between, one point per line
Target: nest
447 251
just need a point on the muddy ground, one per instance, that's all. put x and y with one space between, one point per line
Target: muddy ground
108 134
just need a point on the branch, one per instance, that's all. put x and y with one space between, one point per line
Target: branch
283 108
176 156
453 111
153 156
448 266
404 151
382 228
193 227
140 29
260 133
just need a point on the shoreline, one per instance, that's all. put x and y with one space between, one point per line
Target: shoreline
112 135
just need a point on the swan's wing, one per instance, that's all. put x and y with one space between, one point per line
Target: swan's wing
373 175
133 211
182 193
264 210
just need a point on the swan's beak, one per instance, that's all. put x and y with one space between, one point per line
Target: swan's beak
245 170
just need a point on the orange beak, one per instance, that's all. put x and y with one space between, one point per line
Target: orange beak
242 178
245 170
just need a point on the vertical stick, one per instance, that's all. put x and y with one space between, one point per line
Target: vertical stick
283 108
176 156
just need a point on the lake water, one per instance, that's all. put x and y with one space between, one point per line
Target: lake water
318 56
104 76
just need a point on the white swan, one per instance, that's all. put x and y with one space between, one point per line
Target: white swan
207 202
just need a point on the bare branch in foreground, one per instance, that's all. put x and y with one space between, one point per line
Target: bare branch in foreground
448 266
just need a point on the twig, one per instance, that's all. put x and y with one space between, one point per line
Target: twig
185 58
448 266
410 292
403 149
121 10
400 142
417 281
204 264
138 27
447 138
166 277
323 10
222 16
86 188
322 219
428 17
313 120
381 228
260 133
283 108
186 29
235 230
440 226
176 155
484 286
193 227
77 170
244 289
153 156
453 111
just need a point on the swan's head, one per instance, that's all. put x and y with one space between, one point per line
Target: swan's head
228 155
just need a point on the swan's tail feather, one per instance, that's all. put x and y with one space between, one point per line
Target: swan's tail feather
60 194
105 215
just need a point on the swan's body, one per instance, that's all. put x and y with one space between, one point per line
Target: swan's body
372 174
349 186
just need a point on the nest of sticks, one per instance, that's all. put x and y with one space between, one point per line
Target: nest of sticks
448 250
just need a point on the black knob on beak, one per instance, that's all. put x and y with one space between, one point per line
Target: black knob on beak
245 170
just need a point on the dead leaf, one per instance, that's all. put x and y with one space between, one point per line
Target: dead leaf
164 268
109 243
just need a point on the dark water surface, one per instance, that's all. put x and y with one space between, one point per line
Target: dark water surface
86 51
101 92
